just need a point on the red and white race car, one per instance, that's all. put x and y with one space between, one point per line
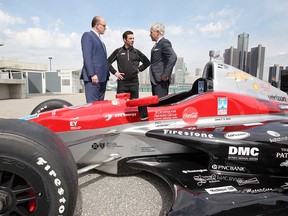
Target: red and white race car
222 147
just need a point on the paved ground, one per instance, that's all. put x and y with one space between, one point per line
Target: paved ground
101 194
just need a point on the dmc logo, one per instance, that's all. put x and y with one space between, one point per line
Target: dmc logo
190 115
243 151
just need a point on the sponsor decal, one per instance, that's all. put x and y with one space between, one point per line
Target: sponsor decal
277 98
258 190
265 88
239 180
277 137
284 164
217 190
285 186
220 66
189 133
237 135
223 119
222 106
96 146
190 115
57 182
113 145
119 115
283 106
242 182
138 148
74 124
228 168
204 179
243 153
239 75
280 139
108 117
273 133
228 178
165 114
194 171
281 154
109 145
255 86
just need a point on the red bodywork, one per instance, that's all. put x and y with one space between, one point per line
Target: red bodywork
124 111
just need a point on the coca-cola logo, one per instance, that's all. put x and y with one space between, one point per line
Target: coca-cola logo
190 115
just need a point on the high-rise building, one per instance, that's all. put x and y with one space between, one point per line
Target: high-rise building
180 69
256 61
251 62
242 47
231 56
284 80
275 71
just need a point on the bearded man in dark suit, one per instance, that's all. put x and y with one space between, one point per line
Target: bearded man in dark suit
163 59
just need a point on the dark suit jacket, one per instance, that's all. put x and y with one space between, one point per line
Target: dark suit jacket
94 58
163 59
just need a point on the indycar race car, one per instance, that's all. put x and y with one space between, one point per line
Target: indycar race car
222 147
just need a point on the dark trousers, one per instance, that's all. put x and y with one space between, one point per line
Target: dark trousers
94 92
131 87
160 89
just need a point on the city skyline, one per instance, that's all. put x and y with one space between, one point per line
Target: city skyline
251 61
53 29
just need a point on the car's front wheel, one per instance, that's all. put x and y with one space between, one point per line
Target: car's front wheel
38 175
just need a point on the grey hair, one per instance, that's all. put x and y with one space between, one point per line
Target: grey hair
158 27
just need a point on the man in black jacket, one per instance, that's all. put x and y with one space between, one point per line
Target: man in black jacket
128 62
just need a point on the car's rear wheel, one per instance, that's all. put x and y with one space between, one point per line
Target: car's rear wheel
38 175
50 104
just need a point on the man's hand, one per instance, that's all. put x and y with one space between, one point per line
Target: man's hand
120 76
94 79
164 77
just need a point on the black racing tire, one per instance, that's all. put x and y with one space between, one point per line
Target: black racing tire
38 174
49 105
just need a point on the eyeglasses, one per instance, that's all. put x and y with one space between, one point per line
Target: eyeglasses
102 25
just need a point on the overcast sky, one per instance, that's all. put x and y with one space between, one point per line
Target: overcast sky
33 30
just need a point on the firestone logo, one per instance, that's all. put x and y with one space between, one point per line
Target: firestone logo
188 133
190 115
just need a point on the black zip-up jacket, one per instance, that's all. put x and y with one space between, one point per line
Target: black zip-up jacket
128 61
